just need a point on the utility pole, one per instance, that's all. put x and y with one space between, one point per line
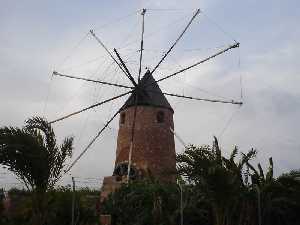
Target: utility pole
73 201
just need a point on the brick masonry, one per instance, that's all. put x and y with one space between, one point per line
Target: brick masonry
153 145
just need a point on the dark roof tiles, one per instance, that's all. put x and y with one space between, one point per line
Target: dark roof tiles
148 94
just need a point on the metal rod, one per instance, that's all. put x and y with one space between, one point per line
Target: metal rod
236 45
132 138
108 52
142 44
73 201
126 69
204 99
129 161
90 80
178 137
176 41
90 107
199 99
181 205
91 142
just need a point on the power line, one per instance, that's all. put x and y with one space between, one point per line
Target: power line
239 68
236 45
156 31
170 9
92 141
177 40
118 19
229 121
220 27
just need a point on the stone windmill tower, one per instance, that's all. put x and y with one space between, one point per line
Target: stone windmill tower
153 149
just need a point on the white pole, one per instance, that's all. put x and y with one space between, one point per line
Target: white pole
129 161
73 201
178 137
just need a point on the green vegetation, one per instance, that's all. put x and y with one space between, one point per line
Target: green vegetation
33 155
59 207
145 202
1 203
216 190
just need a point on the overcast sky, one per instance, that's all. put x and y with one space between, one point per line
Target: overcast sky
37 37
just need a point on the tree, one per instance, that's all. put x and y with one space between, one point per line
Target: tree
85 206
279 197
143 202
34 156
218 190
224 184
19 210
217 178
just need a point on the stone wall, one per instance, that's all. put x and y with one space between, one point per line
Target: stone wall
153 146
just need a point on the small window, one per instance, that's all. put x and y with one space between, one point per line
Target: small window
122 118
160 117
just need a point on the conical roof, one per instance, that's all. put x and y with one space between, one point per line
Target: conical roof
148 94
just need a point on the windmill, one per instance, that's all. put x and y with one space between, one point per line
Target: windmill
143 88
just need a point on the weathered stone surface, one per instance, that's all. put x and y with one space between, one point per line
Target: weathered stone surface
153 143
153 146
110 184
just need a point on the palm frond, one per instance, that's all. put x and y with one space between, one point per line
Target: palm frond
261 172
32 154
233 153
42 125
217 150
269 175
